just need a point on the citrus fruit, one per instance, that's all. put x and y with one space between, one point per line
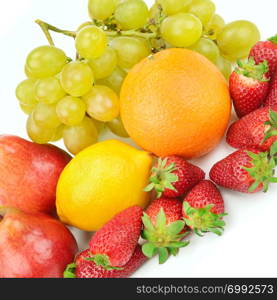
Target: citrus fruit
100 182
175 102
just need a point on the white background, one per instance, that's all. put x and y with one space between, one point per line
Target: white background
248 248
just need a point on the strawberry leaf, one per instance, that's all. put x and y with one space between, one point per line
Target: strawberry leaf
149 250
70 271
161 219
272 124
176 227
163 255
252 70
273 39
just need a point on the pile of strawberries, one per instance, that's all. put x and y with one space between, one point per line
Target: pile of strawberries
185 201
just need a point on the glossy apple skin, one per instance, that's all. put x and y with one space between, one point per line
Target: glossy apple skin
34 246
29 174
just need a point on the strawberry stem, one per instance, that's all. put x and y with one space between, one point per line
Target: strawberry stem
162 178
272 123
252 70
162 238
202 220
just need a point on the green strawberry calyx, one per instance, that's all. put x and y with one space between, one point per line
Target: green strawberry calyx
70 271
262 170
271 126
162 238
203 220
162 177
252 70
103 261
273 39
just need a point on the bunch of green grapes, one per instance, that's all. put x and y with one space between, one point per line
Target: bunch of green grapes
75 100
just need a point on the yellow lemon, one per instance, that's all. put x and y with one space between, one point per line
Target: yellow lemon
102 181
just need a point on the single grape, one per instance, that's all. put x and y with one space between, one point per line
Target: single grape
77 78
237 38
77 138
186 5
83 25
115 80
131 14
26 108
28 73
104 65
214 27
207 48
116 126
45 61
38 134
58 134
101 9
130 51
172 7
49 90
71 111
25 92
45 116
102 103
91 42
224 66
181 30
203 9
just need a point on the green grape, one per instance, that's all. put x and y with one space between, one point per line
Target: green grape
181 30
25 92
49 90
207 48
224 66
101 9
186 5
237 38
132 14
71 111
104 65
77 138
116 126
91 42
45 116
172 7
115 80
203 9
58 134
83 25
130 51
38 134
26 108
45 61
28 73
77 78
100 126
214 27
102 103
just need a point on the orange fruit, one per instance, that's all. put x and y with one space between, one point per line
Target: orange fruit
176 102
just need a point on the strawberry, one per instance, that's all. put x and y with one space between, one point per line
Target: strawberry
258 130
249 86
266 51
85 268
173 176
163 229
114 244
204 209
271 99
245 171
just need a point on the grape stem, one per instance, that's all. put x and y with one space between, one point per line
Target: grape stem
48 27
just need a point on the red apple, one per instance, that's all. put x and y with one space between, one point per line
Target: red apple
33 245
29 174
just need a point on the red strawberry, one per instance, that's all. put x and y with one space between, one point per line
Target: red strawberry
245 171
258 130
271 99
266 51
84 268
173 176
249 86
204 209
164 229
114 244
